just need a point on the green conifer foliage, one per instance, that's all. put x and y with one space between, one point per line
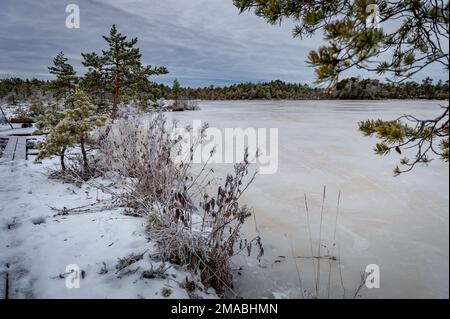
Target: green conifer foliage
71 126
66 78
53 145
120 70
94 82
176 89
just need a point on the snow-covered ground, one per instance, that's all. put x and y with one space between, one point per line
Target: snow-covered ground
401 224
36 246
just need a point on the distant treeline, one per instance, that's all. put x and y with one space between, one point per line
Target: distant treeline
351 88
15 90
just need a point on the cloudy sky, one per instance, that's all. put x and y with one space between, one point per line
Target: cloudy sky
201 42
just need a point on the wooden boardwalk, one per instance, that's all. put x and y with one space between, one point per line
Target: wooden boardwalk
16 149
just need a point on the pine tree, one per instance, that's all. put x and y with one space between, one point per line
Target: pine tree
76 122
176 88
66 78
53 145
121 68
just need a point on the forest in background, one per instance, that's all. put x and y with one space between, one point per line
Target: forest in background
14 90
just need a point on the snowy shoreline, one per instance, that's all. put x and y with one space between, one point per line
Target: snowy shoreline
37 243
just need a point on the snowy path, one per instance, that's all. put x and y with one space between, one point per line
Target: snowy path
36 246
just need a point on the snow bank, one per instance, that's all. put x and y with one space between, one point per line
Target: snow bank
36 246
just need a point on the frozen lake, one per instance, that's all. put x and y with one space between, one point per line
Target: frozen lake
399 223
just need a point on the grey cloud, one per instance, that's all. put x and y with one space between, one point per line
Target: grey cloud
201 42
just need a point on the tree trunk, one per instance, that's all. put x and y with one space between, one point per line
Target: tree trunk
115 100
61 158
83 152
114 109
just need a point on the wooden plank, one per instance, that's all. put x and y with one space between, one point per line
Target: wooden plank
21 149
10 149
19 120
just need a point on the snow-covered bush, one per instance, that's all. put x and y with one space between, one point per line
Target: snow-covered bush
69 127
203 237
184 105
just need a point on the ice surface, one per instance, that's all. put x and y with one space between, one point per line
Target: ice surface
400 224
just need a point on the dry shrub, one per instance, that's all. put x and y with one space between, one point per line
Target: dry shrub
141 156
201 237
210 236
